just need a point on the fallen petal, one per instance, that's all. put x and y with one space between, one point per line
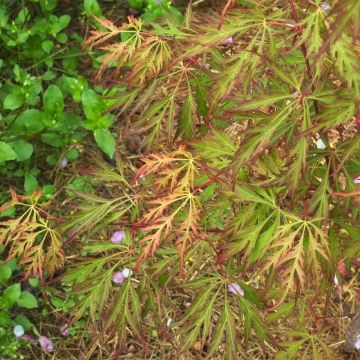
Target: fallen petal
228 40
46 344
118 236
235 289
357 344
118 277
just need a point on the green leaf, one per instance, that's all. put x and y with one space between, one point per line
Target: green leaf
4 318
6 152
284 309
52 139
23 149
92 7
106 141
53 100
267 100
27 300
32 120
34 282
5 273
11 295
13 101
217 149
201 95
72 154
48 5
47 46
30 183
136 4
24 322
91 104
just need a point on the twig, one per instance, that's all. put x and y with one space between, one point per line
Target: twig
223 13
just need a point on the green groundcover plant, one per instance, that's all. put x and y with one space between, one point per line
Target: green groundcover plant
228 222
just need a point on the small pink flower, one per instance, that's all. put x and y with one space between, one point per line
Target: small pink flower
235 289
357 180
118 236
142 176
118 277
64 330
357 344
46 344
228 40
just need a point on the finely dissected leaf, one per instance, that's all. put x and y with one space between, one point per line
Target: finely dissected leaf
207 303
187 118
297 249
97 210
265 195
155 55
320 202
346 58
28 235
93 278
179 210
218 149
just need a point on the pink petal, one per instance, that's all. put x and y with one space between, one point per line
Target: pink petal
46 344
357 344
118 277
235 289
228 40
118 236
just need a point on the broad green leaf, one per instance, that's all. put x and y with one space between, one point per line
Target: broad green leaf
24 322
5 272
5 319
23 149
92 8
6 152
91 104
106 141
30 183
32 120
52 139
47 46
11 295
13 100
53 100
48 5
27 300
